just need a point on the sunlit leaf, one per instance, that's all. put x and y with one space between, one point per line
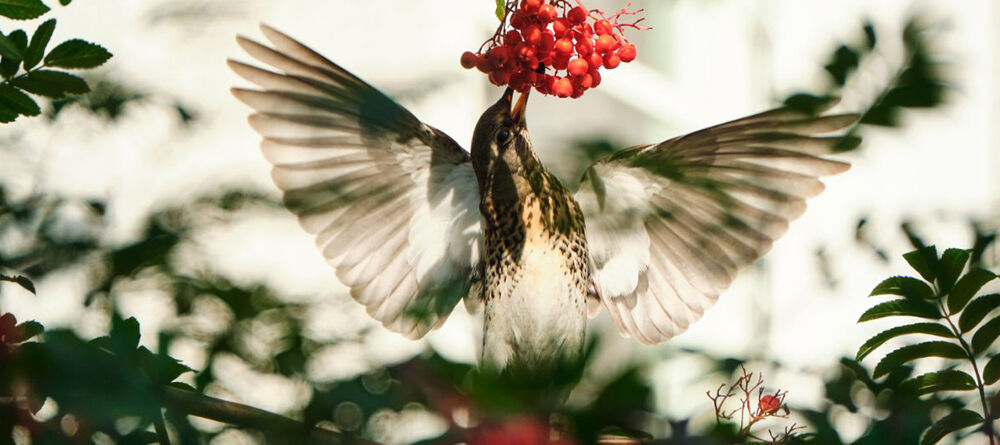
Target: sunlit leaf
501 9
908 287
39 41
912 308
909 353
986 335
77 53
966 287
877 340
947 380
950 267
949 424
977 310
22 9
924 261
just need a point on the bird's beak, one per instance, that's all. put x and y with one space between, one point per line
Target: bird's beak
517 113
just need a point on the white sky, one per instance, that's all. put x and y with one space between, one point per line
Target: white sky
705 62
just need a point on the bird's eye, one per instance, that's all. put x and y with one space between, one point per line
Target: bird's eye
503 136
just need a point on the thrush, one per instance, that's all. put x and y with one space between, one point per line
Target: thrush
413 223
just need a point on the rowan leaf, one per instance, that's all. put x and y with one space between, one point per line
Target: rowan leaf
909 353
947 380
39 40
77 53
908 287
985 336
977 310
952 422
966 287
877 340
924 261
902 307
22 9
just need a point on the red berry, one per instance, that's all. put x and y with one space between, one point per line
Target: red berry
500 77
627 53
606 43
564 46
577 16
563 87
603 27
469 60
584 47
560 62
525 51
501 55
769 404
518 20
611 61
578 67
532 34
547 13
547 43
512 38
560 27
595 60
530 5
484 64
596 76
583 82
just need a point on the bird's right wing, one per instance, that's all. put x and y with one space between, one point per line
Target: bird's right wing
394 203
669 224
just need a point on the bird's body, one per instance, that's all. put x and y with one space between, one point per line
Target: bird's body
413 223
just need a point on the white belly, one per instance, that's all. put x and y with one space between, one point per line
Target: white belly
535 317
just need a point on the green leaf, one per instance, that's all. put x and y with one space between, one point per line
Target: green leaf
54 84
870 39
908 287
991 373
986 335
977 310
8 48
953 422
947 380
916 328
16 100
28 329
9 65
77 53
39 40
845 60
908 353
966 287
20 281
950 267
501 9
64 2
911 308
22 9
923 261
124 335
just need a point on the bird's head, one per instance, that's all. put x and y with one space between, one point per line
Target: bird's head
500 142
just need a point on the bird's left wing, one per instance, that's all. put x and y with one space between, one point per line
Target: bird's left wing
393 202
668 225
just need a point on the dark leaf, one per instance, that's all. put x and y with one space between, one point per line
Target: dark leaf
8 49
870 38
950 268
991 373
909 353
924 261
808 103
28 329
54 84
966 287
977 310
20 281
948 380
845 60
986 335
64 2
77 53
22 9
124 335
39 41
9 65
949 424
14 99
916 328
912 308
908 287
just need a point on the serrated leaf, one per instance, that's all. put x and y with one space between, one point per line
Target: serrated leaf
911 308
8 48
908 287
923 261
501 9
77 53
953 422
6 114
966 287
39 40
54 84
10 64
977 310
22 9
947 380
991 372
985 336
16 100
877 340
950 267
28 329
909 353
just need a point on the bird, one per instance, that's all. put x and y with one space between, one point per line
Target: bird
413 223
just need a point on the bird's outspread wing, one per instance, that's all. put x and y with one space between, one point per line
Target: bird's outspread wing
393 202
668 225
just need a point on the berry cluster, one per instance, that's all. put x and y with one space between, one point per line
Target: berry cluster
553 46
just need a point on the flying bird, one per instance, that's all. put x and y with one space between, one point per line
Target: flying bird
413 223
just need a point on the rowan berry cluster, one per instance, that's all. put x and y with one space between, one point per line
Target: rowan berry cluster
554 46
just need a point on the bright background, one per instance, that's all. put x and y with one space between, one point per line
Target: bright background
704 63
